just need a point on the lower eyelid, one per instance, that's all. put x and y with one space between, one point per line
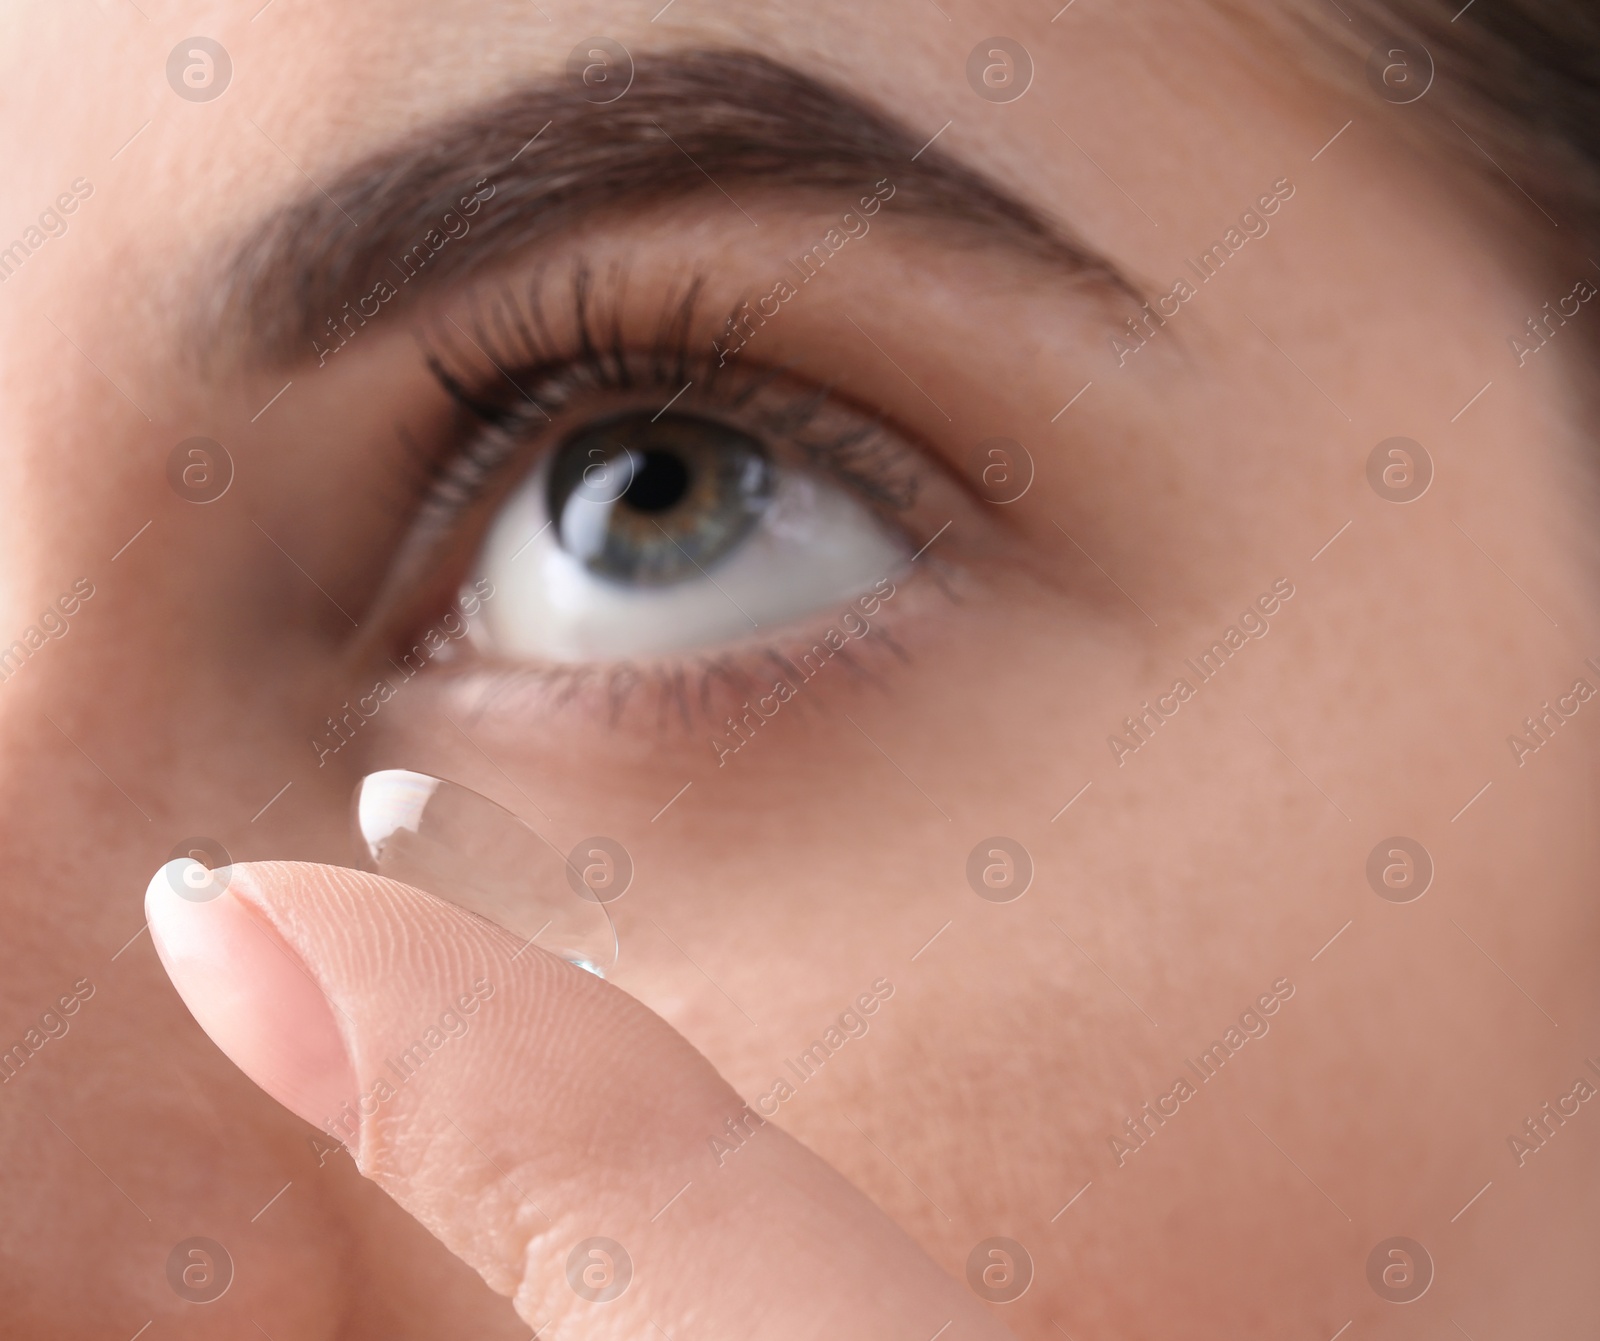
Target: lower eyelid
686 696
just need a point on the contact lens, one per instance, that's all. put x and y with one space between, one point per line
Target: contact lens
452 842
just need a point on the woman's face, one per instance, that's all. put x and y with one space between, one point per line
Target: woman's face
1124 776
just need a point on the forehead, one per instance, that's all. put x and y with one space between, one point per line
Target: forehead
97 91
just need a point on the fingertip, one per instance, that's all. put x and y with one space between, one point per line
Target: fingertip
251 993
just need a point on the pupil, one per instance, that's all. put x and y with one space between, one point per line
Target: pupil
659 484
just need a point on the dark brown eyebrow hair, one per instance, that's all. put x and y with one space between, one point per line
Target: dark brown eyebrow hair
692 122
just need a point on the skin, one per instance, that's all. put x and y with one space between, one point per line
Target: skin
1217 860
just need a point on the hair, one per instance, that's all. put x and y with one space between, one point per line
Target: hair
1522 76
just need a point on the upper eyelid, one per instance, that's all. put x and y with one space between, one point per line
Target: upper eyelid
848 454
485 359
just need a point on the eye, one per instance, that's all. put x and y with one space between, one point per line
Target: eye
643 533
628 494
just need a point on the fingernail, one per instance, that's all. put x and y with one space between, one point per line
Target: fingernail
248 990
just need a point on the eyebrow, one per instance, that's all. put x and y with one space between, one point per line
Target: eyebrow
691 123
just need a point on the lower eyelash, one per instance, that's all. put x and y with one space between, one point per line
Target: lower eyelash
683 694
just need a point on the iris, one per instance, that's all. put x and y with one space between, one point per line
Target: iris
653 501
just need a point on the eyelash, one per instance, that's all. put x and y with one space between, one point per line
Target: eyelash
533 370
711 687
512 412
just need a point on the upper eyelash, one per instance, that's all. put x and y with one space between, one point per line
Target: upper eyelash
511 332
